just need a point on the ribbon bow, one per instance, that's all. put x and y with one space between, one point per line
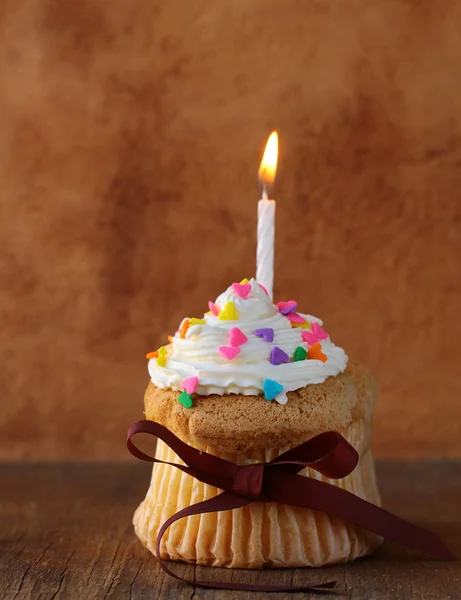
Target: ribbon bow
278 481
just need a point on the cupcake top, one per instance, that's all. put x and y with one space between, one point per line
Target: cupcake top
246 345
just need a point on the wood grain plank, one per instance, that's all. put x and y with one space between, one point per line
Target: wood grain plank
66 533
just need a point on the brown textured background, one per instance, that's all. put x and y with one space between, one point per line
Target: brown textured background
131 134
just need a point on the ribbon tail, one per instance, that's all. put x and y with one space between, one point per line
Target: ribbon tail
225 501
325 497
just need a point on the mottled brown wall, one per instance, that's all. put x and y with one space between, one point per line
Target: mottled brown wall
130 137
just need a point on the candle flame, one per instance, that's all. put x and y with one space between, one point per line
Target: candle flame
269 162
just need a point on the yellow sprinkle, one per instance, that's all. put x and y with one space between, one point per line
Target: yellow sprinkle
305 325
229 313
161 360
209 313
244 281
194 321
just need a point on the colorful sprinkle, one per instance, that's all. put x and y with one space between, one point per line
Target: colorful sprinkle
317 334
184 328
161 360
315 353
170 339
293 317
229 312
237 337
229 352
245 281
190 384
281 398
195 321
264 289
267 334
272 388
300 353
150 355
305 325
242 289
185 399
278 356
213 308
287 307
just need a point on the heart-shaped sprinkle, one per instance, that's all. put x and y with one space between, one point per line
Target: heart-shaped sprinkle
300 353
237 337
293 317
150 355
264 289
315 335
229 312
287 307
161 360
267 334
281 398
278 356
242 289
213 308
183 329
245 281
195 321
229 352
272 388
190 384
305 325
315 353
185 399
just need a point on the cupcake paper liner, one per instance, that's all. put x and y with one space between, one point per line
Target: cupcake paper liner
262 534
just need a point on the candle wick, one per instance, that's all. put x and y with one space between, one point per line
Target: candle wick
265 196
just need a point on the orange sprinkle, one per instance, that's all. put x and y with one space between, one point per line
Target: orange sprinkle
315 352
150 355
184 328
170 339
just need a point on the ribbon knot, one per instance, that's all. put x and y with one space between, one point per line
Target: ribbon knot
248 481
278 481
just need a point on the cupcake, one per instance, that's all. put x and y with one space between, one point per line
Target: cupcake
247 382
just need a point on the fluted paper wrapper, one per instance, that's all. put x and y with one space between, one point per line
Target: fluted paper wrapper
262 534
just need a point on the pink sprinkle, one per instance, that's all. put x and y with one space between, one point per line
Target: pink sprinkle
190 384
287 307
229 352
242 289
237 337
214 309
317 334
295 318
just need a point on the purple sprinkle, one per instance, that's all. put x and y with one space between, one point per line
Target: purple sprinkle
278 356
266 334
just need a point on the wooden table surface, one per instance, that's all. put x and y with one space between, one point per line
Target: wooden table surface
66 533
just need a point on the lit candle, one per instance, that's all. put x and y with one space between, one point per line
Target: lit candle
266 217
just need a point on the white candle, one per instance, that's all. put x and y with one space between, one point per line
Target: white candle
266 217
265 249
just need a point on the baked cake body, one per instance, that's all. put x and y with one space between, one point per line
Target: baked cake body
261 534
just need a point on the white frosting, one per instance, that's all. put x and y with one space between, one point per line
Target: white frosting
197 354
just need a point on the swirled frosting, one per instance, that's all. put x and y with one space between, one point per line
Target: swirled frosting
194 351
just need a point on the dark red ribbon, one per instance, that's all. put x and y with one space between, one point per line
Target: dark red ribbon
277 481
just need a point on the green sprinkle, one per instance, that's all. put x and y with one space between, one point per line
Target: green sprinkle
300 353
186 400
